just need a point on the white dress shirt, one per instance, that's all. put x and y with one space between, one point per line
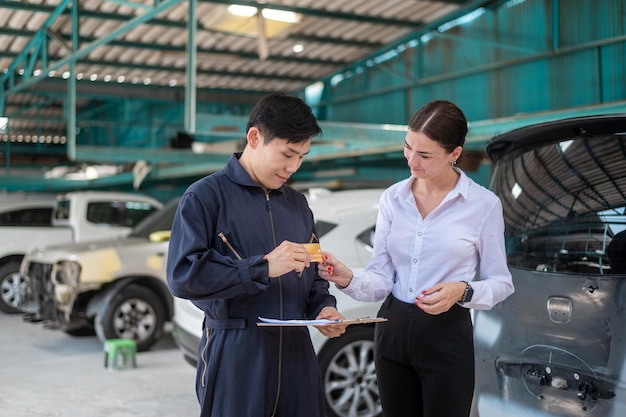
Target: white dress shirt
460 240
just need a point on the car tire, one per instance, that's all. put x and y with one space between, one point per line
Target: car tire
12 285
349 374
136 313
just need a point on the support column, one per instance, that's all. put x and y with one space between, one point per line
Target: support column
191 70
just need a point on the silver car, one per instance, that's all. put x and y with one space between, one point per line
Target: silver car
557 346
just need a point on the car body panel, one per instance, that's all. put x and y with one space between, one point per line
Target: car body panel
557 346
104 270
106 261
74 217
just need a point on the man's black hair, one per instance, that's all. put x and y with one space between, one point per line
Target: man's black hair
279 115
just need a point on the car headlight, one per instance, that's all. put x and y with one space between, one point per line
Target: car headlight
67 272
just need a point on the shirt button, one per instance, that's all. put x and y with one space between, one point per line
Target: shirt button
414 260
410 289
419 233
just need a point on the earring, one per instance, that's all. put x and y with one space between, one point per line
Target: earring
453 163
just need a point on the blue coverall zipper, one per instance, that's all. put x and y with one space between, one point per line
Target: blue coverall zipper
280 291
204 362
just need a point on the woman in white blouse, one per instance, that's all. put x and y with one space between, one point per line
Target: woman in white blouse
438 251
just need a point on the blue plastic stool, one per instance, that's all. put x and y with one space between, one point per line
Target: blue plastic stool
120 349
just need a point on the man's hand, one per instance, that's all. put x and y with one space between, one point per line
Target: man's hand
331 330
287 257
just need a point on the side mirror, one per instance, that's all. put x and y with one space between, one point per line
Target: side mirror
160 236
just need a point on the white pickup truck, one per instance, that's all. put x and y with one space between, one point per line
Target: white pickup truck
115 288
74 217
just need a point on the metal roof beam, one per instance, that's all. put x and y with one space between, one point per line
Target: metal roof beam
21 109
101 90
180 25
204 51
36 50
85 50
31 7
160 68
19 5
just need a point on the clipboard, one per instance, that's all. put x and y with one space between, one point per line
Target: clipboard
264 321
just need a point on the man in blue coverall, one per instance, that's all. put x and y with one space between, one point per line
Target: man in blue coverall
236 252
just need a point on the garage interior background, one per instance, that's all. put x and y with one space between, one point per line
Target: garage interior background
150 95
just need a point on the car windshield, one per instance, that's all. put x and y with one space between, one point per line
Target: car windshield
563 204
157 221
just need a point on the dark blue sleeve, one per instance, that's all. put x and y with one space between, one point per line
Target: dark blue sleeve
195 269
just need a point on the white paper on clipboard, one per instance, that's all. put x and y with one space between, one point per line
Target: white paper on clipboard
264 321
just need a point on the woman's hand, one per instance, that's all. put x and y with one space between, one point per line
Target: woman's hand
331 330
333 270
441 297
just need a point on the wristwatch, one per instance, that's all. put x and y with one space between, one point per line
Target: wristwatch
469 292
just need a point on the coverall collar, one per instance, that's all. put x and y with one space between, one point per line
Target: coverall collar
237 174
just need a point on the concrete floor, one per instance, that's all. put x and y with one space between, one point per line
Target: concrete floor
45 373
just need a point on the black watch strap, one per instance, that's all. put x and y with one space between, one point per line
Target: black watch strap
468 294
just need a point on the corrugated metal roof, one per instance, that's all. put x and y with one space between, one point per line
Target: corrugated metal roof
327 35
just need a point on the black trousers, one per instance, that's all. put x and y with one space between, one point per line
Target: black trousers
424 363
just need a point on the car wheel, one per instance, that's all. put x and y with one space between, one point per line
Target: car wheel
136 313
349 374
12 286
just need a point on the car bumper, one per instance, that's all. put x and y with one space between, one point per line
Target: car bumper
188 343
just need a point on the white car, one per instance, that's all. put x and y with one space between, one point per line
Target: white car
345 222
115 288
16 213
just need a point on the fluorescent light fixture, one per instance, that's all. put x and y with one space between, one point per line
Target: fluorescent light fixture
516 191
297 48
271 14
244 11
281 15
4 124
